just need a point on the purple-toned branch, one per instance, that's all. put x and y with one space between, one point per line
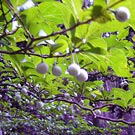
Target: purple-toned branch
116 120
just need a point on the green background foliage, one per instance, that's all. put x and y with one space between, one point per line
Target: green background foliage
83 43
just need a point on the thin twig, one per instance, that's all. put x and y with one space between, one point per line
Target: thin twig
114 4
66 30
34 54
116 120
25 28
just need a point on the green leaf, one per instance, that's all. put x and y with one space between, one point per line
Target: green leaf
100 15
53 12
16 62
46 16
82 31
16 3
61 46
118 62
123 96
112 42
98 50
132 87
98 42
100 2
75 7
97 92
132 102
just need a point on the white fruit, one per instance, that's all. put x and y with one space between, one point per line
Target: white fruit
17 96
24 90
122 14
56 70
40 104
83 76
42 68
67 95
74 69
19 85
98 112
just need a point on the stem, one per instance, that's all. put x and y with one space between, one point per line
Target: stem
73 56
26 30
114 4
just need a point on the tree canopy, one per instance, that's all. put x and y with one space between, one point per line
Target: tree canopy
67 67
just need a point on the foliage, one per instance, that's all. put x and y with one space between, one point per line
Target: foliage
61 33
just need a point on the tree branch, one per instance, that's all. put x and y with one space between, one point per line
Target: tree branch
21 51
66 30
116 120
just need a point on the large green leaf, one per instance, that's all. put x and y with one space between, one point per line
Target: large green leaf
61 46
46 16
122 97
75 7
98 42
118 62
16 3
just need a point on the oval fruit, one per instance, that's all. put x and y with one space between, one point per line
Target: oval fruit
40 104
83 76
74 69
56 70
122 14
42 68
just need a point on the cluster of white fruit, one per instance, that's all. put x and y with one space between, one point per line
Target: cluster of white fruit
122 14
73 69
80 74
